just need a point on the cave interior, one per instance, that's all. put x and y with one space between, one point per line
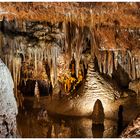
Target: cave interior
75 68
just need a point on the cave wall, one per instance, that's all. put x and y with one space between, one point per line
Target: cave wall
132 130
8 105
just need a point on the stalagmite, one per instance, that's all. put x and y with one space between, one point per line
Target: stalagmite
98 130
36 91
98 113
37 96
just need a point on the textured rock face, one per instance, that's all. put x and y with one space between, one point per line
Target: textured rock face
135 86
8 106
133 130
109 13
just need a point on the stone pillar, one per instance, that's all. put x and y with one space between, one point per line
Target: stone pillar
98 120
98 113
8 105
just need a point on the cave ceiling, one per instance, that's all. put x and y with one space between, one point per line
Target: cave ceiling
34 33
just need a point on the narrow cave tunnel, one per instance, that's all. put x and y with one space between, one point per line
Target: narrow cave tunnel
75 69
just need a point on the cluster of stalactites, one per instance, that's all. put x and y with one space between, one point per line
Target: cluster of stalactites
48 53
108 61
14 53
74 43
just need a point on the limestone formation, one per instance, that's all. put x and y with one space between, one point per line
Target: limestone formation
133 129
135 86
8 105
98 113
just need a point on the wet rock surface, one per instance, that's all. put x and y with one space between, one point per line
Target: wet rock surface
69 126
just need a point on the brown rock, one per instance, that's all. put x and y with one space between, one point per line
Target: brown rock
98 113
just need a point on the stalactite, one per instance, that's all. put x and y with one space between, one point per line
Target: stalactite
35 60
110 63
16 24
65 33
128 59
125 62
54 63
115 59
36 91
99 58
120 57
130 67
85 61
104 62
29 52
137 67
16 73
79 49
91 16
124 59
133 69
24 26
41 54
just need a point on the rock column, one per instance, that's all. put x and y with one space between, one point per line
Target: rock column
8 105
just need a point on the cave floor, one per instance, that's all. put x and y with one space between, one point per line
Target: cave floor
37 121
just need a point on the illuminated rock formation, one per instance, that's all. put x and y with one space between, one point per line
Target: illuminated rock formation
8 105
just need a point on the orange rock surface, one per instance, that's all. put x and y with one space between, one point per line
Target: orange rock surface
126 14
